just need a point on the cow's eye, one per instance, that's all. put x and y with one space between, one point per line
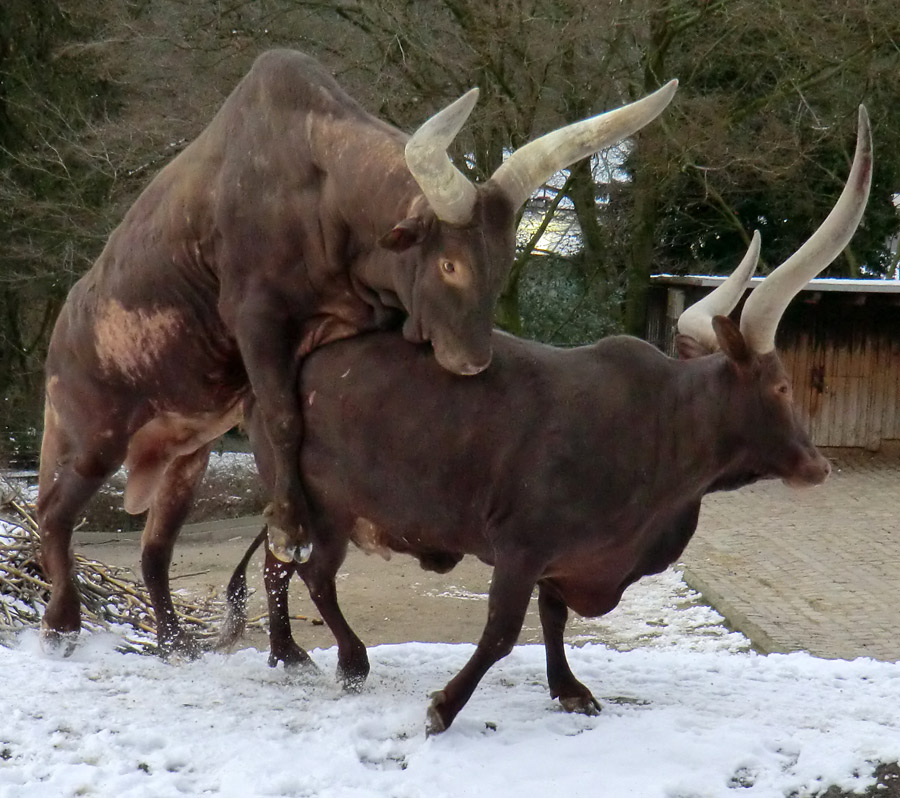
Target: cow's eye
448 267
783 388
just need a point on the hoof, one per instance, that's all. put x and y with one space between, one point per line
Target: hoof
582 704
434 720
180 648
282 554
284 550
58 644
294 660
352 683
302 553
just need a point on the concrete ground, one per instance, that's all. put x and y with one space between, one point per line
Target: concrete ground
815 570
807 570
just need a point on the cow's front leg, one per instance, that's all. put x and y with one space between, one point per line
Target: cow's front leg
268 335
511 587
572 694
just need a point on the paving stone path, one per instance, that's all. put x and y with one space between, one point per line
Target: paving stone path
811 570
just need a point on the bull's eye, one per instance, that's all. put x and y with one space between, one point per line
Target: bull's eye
448 267
783 388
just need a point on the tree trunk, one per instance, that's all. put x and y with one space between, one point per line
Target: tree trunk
639 260
647 186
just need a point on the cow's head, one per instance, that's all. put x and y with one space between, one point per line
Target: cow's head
768 432
462 235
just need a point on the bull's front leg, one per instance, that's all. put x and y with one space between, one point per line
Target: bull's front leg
269 337
572 694
511 586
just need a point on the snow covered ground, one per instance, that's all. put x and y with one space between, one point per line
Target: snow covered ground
689 712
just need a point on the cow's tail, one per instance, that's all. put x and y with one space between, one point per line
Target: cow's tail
236 599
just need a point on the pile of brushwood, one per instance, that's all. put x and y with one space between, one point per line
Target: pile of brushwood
111 599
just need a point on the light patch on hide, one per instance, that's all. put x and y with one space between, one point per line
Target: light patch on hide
131 342
369 538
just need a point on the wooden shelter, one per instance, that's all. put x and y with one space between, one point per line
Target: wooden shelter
838 339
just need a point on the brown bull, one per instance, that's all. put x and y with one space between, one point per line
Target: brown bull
578 471
295 218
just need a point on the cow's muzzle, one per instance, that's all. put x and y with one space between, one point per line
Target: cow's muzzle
811 471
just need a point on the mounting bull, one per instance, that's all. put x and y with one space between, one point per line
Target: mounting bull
294 219
578 470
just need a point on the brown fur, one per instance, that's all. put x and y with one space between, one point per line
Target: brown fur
254 246
578 471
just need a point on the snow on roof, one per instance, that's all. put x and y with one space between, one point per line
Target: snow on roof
821 284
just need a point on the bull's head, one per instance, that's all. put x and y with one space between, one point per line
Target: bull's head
462 235
771 436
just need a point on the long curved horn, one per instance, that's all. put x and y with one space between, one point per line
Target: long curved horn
448 191
767 303
696 321
529 167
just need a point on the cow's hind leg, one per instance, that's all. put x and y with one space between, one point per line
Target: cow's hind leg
572 694
168 509
319 575
71 472
511 587
282 646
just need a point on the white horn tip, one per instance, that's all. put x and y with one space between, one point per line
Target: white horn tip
755 244
748 265
864 130
668 90
467 102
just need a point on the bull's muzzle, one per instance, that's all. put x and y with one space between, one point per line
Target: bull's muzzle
460 364
471 369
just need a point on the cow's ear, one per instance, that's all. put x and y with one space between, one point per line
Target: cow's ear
731 340
404 235
689 347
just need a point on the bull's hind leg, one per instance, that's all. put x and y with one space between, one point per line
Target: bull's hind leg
572 694
72 469
169 507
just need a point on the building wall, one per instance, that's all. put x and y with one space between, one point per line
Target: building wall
844 360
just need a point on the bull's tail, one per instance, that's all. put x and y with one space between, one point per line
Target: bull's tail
236 599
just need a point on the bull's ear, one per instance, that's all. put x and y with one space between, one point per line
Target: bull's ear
731 340
689 347
404 235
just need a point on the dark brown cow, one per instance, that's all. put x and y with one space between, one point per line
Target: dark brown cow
577 470
295 218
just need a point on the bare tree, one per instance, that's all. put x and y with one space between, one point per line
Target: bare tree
96 95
